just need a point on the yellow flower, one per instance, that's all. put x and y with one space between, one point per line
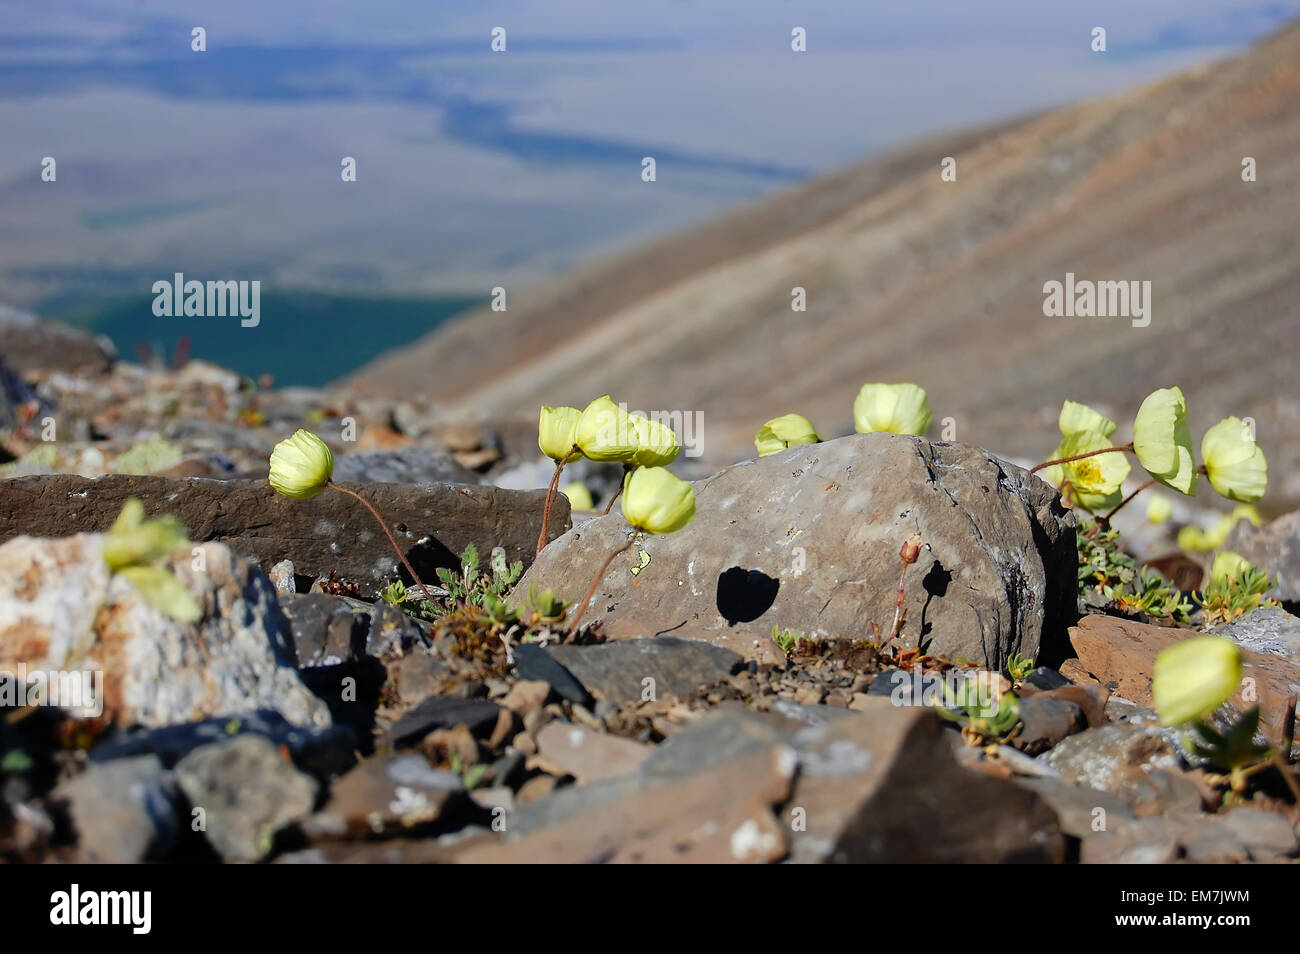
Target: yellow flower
1233 461
301 465
557 432
897 408
656 443
134 541
606 432
1096 481
1228 565
1077 418
789 430
1163 441
579 496
656 501
1194 677
1159 509
1195 539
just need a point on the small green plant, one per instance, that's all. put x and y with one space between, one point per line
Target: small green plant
786 639
1227 597
469 587
1234 751
545 608
964 706
1106 569
394 593
1152 594
1019 667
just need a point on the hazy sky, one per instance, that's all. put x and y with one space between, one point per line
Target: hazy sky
477 168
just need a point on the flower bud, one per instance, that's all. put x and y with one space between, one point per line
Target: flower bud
911 549
1195 677
657 501
301 465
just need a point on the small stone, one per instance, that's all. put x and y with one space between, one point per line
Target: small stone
1266 835
247 792
124 811
586 755
282 578
1046 722
526 696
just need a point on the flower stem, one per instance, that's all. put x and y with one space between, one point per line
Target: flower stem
610 506
600 575
1118 448
551 491
391 539
1119 506
899 613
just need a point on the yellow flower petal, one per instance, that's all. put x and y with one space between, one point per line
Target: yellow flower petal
897 408
1076 418
656 501
656 443
557 432
789 430
1162 440
1193 678
1234 463
606 432
301 465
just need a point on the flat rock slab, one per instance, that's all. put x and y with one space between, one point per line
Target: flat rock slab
330 533
1122 655
618 671
588 756
809 540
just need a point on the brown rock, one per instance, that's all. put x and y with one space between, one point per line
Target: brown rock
1122 653
586 755
526 696
884 787
720 815
330 533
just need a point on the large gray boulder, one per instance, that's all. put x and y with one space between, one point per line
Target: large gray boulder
809 540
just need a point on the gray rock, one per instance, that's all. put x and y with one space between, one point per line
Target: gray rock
61 611
1046 722
328 533
809 539
1267 836
328 630
30 343
405 465
1270 630
322 752
386 795
124 811
438 712
1275 549
876 786
617 670
247 793
1107 757
282 578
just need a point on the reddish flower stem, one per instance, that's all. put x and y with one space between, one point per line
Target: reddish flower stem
1122 448
591 591
391 539
551 490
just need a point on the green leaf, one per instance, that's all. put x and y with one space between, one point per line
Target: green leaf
161 590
